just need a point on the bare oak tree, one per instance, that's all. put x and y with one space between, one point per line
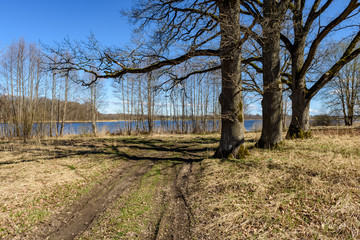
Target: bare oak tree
204 29
273 15
270 16
303 45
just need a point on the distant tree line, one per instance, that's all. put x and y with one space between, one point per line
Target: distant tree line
37 102
190 106
34 101
75 111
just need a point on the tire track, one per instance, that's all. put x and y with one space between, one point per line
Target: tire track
74 220
175 222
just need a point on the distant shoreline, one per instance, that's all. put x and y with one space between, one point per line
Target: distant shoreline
121 120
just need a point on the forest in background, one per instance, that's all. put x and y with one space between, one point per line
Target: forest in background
29 94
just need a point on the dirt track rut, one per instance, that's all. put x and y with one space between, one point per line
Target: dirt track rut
168 214
75 219
173 222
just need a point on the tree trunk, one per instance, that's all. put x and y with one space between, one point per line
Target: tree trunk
63 116
300 104
299 126
150 102
52 107
271 134
232 115
93 89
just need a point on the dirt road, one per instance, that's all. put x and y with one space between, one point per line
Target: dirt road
144 199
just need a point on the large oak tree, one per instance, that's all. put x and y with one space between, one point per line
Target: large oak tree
181 31
303 46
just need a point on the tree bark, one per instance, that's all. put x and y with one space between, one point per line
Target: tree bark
232 115
300 103
93 100
271 134
150 100
63 115
300 125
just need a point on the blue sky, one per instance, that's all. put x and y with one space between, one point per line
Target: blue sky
50 21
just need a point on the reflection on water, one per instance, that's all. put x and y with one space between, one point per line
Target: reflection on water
133 126
165 126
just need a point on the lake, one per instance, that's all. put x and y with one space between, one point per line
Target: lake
75 128
165 126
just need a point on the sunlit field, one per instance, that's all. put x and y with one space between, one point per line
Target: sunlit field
306 189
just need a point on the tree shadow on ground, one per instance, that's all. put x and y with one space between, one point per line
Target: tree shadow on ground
152 149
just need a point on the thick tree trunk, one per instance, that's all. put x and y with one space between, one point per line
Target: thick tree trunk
232 124
149 103
232 115
300 125
271 134
93 109
300 104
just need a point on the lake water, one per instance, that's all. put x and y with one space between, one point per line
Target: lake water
131 126
124 126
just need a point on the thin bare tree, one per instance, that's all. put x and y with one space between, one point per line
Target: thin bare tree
342 93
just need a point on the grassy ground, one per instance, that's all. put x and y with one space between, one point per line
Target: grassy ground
39 178
307 189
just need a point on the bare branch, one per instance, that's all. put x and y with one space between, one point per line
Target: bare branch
313 48
348 56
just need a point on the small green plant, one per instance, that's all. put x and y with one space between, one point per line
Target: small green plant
302 135
71 167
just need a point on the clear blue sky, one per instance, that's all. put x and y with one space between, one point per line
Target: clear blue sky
50 21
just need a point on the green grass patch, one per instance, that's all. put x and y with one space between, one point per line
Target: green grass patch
139 203
132 212
71 167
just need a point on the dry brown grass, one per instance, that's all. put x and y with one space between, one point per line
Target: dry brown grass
308 189
39 178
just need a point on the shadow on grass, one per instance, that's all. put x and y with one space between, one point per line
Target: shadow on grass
192 147
126 156
153 149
